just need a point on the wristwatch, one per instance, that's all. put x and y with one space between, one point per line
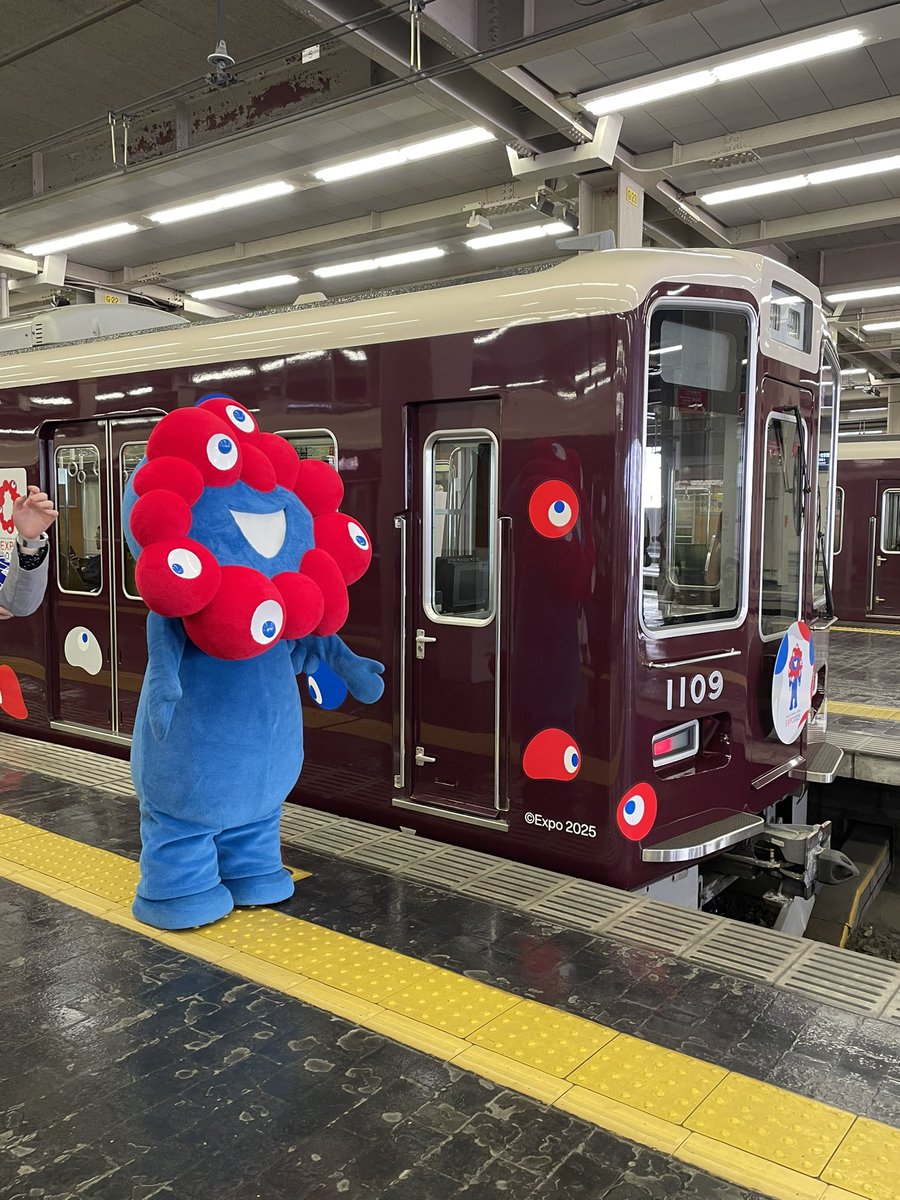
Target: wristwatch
37 543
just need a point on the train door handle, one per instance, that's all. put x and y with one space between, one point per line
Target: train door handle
879 600
421 757
421 641
879 560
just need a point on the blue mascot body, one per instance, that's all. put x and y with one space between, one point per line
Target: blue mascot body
238 609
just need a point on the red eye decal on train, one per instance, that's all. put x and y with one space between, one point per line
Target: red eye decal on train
11 699
553 508
636 814
552 754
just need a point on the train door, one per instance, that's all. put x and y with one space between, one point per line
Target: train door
451 639
885 593
96 677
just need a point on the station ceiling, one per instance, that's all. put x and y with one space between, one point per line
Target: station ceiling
108 114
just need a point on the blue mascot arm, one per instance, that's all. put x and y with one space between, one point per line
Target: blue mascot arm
165 642
361 675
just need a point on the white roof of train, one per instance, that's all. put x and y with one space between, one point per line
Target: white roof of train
610 281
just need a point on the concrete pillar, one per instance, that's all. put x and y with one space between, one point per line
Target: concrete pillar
893 412
4 295
618 206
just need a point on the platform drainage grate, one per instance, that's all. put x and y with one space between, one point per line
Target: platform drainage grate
747 950
663 926
514 885
452 868
582 904
843 978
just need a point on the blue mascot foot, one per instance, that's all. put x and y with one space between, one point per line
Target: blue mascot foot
185 912
261 889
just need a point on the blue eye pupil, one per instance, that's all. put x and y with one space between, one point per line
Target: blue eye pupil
630 808
239 416
84 637
574 760
360 540
225 446
178 568
268 629
559 506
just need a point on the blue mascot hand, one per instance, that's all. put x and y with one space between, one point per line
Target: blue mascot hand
162 709
363 679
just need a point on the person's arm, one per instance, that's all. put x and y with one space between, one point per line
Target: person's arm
26 581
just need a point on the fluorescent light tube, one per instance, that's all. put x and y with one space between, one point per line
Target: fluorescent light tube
854 371
215 204
225 373
140 391
740 68
250 285
874 166
864 294
858 412
444 144
745 191
527 234
110 396
69 241
878 326
50 400
787 56
667 349
375 264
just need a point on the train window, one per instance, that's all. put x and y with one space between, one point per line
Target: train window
890 521
460 490
838 520
824 532
131 454
782 535
78 544
314 443
694 467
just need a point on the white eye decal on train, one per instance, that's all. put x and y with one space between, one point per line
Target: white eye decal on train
221 452
184 563
571 759
357 535
636 814
240 418
267 622
82 650
553 508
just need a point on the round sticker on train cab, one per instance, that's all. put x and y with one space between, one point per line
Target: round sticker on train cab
793 683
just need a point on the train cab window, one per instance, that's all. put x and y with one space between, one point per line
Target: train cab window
838 520
694 467
78 545
130 456
890 521
461 483
782 534
314 443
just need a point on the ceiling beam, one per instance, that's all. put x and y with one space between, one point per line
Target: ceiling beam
817 224
852 121
372 226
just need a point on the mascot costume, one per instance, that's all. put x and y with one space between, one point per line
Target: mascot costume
243 560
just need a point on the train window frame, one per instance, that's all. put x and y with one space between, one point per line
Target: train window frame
679 303
56 450
320 432
123 483
829 360
881 519
788 418
837 536
428 480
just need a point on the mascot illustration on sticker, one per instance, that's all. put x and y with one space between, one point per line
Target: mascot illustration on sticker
793 682
244 561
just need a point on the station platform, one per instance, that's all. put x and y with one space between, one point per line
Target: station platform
379 1036
864 702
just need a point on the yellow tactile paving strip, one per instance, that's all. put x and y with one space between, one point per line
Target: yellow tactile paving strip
864 629
756 1135
874 712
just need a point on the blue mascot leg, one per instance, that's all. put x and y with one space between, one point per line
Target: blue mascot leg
250 862
179 886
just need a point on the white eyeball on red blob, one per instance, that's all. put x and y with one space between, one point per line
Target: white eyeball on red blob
222 452
347 543
184 563
358 535
553 508
240 418
267 622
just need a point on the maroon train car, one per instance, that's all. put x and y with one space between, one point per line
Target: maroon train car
867 530
599 495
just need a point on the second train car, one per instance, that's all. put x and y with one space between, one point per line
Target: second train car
599 494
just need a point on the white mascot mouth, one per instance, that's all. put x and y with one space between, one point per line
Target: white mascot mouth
264 531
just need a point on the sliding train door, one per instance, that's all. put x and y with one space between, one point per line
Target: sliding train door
98 625
450 759
886 562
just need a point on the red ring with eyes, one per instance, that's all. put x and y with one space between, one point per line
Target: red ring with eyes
553 508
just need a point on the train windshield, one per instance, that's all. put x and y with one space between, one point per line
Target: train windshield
695 466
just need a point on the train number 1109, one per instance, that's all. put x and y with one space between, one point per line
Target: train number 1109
697 688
